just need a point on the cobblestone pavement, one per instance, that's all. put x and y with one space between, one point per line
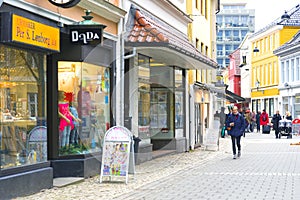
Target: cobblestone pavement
268 169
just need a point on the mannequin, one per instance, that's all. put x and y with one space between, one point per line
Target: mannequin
65 120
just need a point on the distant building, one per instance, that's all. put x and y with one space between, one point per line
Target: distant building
234 21
266 78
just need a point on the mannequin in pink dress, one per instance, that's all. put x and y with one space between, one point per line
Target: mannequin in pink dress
65 120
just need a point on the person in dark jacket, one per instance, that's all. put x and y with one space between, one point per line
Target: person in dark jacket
288 116
258 121
237 127
275 121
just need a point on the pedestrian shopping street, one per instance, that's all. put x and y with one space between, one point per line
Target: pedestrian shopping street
269 168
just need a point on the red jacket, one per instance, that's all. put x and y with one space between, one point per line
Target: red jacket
266 116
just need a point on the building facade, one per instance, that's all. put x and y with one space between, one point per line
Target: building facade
265 73
157 75
47 66
289 84
234 21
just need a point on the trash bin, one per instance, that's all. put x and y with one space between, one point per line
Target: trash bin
136 144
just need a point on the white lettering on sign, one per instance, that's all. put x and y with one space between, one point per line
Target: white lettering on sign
84 37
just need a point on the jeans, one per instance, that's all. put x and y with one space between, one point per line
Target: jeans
236 141
65 136
74 136
258 127
277 133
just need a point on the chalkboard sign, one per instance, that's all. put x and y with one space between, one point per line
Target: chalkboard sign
116 153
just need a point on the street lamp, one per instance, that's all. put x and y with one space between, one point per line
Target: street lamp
285 16
255 50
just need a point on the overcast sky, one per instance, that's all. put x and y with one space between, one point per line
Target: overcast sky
267 11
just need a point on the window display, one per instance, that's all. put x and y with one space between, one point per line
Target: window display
23 131
85 99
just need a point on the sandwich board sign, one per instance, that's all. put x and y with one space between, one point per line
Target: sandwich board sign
117 145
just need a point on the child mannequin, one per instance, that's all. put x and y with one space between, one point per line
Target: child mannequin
65 120
74 131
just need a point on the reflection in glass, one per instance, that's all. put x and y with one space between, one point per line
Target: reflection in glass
23 131
86 89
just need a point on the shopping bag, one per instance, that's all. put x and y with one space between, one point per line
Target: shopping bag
223 132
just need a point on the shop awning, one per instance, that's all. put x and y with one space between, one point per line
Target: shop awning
230 96
155 38
233 98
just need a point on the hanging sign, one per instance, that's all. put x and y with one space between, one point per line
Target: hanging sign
86 34
117 144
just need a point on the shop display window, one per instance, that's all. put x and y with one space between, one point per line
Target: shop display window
23 131
84 99
144 97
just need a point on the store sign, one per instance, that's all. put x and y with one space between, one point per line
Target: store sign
86 36
34 33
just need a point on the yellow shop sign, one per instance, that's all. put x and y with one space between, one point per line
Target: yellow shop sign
31 32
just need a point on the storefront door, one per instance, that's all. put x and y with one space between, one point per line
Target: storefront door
198 125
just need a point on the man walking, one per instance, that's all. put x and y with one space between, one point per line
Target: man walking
275 121
236 123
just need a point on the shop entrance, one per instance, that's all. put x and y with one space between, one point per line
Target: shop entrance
198 125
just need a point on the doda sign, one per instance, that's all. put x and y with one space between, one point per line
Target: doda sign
86 36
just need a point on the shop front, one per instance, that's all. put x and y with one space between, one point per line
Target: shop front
26 41
80 108
156 79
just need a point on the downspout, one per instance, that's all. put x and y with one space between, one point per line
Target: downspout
131 55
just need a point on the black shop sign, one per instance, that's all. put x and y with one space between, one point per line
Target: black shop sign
86 36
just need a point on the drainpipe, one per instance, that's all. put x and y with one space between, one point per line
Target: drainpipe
131 55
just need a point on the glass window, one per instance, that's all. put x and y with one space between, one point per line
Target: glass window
282 73
297 78
162 102
219 20
287 71
84 107
220 61
271 108
297 107
144 96
23 132
244 20
292 70
244 33
179 94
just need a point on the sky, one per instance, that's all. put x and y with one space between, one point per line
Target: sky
267 11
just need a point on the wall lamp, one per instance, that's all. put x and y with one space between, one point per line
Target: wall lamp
255 50
257 84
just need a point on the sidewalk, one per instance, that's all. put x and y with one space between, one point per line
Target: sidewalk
146 173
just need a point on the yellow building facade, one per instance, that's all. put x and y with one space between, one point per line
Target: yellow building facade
265 65
202 32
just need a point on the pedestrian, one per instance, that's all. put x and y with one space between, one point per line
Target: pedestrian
258 121
288 116
236 124
264 119
222 122
253 121
275 121
248 121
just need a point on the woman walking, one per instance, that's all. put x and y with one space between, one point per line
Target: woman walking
236 123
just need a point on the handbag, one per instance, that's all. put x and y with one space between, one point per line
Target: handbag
223 132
